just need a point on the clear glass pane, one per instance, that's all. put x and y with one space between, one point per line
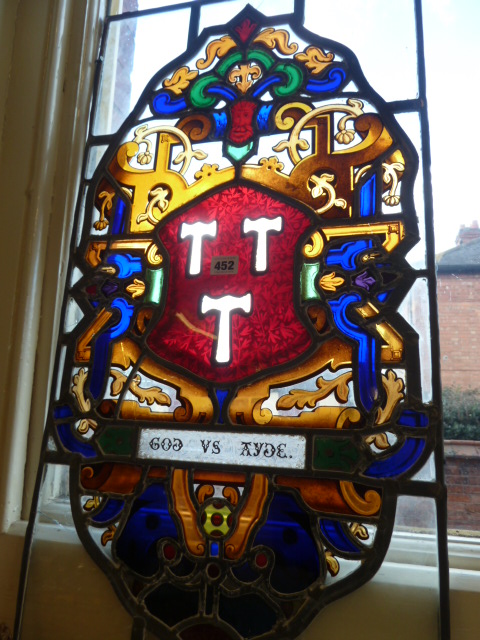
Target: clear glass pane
222 13
382 35
136 49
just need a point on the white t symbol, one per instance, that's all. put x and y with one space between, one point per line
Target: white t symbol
197 231
226 305
261 227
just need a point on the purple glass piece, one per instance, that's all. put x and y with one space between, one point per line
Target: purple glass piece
365 280
109 287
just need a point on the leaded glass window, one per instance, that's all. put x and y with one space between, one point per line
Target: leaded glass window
241 395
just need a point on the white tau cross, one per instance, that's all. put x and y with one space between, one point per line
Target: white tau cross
261 227
225 305
197 231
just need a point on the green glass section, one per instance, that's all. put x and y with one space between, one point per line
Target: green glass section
308 278
228 62
335 454
265 58
295 78
237 153
155 284
197 96
118 440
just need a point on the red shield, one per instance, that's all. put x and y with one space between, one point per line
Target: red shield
263 328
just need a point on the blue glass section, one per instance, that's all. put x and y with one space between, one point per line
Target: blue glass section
110 510
64 411
163 104
71 443
223 92
345 255
366 348
118 225
410 418
335 79
336 536
288 533
399 462
148 523
383 296
100 355
220 123
262 118
221 396
126 264
172 605
367 197
260 619
261 88
127 312
245 573
214 549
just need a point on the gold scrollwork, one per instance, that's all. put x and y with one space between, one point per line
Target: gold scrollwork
300 399
158 203
204 492
315 59
314 247
394 389
196 405
271 164
369 505
333 566
353 109
244 75
154 257
250 514
161 174
78 387
91 504
150 396
393 350
390 176
323 187
108 535
185 157
180 80
216 48
380 440
331 282
246 406
136 289
93 255
360 531
85 425
394 234
277 39
107 199
231 494
347 417
186 512
83 349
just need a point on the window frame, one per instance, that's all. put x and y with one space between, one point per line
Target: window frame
67 31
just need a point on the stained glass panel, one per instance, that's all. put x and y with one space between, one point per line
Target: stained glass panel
243 389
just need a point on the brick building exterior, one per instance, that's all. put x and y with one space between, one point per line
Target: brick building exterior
458 294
